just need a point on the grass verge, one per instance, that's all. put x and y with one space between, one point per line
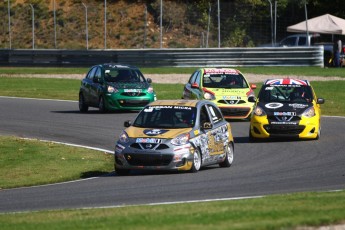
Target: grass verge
272 212
31 162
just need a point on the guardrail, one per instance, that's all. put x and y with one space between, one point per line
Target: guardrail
270 56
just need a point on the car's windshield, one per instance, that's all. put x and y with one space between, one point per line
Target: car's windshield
174 117
224 80
285 93
123 75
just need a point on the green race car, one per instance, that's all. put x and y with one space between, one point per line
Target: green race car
112 87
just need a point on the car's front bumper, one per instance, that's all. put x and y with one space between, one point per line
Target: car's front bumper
135 156
306 128
115 102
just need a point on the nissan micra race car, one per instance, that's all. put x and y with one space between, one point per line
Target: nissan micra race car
286 108
226 87
112 87
175 135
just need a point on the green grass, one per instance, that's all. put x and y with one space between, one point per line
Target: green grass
273 212
31 162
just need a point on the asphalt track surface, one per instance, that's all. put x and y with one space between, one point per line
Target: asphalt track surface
270 167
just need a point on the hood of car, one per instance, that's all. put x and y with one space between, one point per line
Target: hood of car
135 132
230 93
129 85
288 108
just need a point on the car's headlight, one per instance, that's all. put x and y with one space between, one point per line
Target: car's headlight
209 96
181 139
150 90
310 112
258 111
112 89
123 137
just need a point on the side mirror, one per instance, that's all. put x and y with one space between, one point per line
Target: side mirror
253 86
97 80
149 80
320 101
127 123
251 99
207 125
195 85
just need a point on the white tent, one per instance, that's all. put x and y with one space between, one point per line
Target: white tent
324 24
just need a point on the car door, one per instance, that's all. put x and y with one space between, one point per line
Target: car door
86 85
192 87
96 86
216 135
211 134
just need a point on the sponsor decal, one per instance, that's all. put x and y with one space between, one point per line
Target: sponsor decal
148 140
284 113
283 123
298 106
274 105
132 90
231 97
196 132
221 71
154 132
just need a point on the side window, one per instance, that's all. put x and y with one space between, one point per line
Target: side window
302 41
91 73
98 73
198 78
216 115
192 78
203 116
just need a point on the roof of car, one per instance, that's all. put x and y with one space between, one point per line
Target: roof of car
286 81
117 65
190 103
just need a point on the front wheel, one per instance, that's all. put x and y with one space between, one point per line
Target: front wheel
229 156
196 161
101 105
122 172
83 107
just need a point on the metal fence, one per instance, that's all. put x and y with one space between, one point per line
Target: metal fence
279 56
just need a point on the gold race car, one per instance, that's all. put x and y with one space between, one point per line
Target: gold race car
226 87
175 135
286 108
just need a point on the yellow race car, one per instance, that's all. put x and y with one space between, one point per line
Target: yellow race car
226 87
286 108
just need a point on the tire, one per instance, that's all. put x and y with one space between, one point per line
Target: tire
101 105
122 172
229 156
196 161
251 138
318 133
83 107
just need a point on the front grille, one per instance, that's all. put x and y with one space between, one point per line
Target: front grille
231 102
133 94
284 129
155 159
235 112
284 118
144 146
133 103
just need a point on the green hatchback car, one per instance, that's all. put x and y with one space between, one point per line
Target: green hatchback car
113 87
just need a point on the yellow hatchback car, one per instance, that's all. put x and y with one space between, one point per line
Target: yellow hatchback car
226 87
286 108
181 135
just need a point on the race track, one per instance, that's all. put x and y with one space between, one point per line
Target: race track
259 168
